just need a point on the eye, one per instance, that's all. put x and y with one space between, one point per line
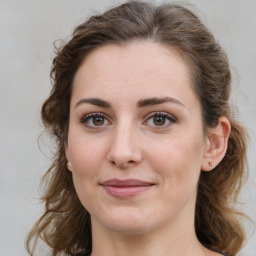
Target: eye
160 120
95 120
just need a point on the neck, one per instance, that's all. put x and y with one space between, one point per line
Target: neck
176 239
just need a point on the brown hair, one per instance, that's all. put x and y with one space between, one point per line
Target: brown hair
65 224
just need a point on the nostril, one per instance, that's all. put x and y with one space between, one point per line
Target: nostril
123 165
113 162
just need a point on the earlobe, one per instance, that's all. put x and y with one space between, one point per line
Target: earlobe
69 165
216 144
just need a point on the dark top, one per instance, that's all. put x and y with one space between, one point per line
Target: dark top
82 253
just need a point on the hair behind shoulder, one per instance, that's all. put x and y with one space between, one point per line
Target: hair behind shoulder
65 224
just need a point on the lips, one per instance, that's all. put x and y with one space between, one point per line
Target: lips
126 188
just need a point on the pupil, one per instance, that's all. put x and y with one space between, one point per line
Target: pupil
98 121
159 120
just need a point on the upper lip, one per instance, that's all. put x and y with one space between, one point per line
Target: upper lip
126 183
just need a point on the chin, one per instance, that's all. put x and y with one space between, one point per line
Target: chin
130 228
128 223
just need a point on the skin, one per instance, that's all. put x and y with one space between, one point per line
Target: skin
127 141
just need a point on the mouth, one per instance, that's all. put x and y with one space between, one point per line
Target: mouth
126 188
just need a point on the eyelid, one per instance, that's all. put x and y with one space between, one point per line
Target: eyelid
160 113
170 117
86 117
92 114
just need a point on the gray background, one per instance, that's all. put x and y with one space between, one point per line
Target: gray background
27 31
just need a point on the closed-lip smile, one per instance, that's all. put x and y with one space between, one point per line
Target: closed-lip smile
126 188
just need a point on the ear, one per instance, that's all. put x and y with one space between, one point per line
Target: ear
69 165
216 144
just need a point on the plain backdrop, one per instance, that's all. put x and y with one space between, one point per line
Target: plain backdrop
28 29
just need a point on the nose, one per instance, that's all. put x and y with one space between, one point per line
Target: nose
125 147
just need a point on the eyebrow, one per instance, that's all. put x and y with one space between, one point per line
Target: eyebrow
156 101
141 103
94 101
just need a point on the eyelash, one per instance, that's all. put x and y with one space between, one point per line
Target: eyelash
91 117
167 116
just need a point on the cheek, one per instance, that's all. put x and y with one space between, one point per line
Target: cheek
87 158
85 153
178 162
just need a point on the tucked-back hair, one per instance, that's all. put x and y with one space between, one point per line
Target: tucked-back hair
65 224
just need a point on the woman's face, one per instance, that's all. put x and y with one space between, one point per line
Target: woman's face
135 139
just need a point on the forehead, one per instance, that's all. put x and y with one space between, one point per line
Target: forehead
129 57
134 69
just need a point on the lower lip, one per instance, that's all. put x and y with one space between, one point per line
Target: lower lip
126 192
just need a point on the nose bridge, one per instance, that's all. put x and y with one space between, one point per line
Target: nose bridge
124 147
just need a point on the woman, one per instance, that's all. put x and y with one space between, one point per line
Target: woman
148 154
